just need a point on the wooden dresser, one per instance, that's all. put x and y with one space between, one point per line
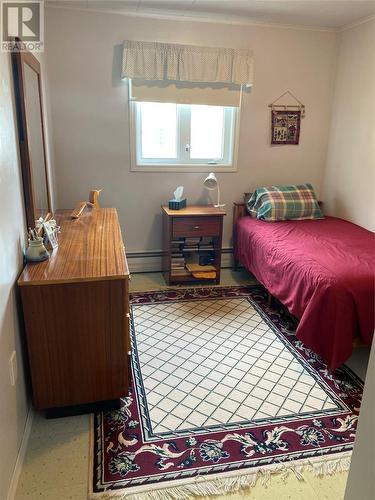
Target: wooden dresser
76 311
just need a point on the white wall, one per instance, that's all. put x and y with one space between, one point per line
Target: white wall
13 400
91 126
361 480
349 185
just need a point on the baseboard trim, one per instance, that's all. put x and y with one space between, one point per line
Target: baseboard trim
144 262
227 258
21 456
151 262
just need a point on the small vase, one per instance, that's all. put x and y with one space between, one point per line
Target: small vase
36 251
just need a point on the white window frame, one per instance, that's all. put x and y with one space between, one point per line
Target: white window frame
170 165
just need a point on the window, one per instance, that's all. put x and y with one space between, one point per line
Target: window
190 137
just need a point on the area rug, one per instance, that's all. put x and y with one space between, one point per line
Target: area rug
223 392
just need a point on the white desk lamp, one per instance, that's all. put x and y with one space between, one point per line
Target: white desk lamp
211 183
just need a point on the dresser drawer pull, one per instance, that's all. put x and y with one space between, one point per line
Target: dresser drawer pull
129 353
127 315
196 227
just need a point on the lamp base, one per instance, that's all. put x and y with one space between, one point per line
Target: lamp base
220 205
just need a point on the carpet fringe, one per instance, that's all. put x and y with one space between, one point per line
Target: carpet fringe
229 482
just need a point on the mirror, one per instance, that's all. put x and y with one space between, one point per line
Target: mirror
27 82
36 142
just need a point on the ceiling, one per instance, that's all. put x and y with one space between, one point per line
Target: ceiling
333 14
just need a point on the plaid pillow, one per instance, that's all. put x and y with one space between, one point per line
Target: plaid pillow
295 202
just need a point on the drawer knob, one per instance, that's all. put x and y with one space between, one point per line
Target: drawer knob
196 227
127 315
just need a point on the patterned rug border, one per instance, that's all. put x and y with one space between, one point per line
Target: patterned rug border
327 461
222 482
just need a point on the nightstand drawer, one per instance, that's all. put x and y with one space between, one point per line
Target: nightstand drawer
196 226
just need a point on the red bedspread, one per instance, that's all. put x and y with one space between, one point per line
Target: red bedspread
323 271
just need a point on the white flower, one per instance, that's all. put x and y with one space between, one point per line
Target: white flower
317 423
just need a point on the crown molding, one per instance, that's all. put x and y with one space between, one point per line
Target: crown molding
183 16
356 23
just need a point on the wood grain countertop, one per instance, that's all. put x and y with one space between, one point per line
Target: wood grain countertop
90 249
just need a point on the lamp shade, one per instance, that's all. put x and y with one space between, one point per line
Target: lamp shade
210 181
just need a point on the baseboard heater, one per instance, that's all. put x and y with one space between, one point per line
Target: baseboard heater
151 261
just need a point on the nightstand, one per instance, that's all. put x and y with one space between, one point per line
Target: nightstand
192 238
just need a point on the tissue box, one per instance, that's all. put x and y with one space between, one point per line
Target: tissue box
177 204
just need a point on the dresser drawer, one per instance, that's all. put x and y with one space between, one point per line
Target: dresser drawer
196 226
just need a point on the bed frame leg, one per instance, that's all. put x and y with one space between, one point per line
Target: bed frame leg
239 210
269 300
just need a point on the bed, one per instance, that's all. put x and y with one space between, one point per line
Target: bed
321 270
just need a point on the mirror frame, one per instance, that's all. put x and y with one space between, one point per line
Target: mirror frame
18 60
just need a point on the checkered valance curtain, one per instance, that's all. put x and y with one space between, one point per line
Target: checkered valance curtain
186 63
186 74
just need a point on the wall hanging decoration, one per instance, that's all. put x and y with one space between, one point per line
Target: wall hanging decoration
286 120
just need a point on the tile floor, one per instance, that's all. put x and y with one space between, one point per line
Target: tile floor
56 463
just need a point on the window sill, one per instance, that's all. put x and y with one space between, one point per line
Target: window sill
183 168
